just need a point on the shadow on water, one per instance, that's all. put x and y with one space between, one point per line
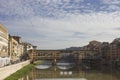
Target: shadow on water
65 69
75 73
44 65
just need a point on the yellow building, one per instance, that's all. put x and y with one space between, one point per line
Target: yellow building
15 48
26 48
19 46
13 51
3 41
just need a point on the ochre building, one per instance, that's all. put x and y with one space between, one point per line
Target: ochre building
3 41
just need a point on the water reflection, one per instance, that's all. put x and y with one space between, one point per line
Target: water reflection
65 66
77 73
44 65
64 79
66 73
24 78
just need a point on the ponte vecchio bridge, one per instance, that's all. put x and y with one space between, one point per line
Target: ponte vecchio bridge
57 54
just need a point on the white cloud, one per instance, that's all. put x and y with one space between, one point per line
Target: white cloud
15 7
28 8
72 29
111 1
60 33
114 7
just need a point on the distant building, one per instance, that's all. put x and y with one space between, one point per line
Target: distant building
93 45
15 48
26 48
3 41
104 50
92 50
74 48
114 52
20 45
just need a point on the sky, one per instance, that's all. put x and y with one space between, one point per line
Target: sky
58 24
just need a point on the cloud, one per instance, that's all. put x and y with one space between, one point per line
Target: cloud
51 8
111 5
44 8
72 30
111 1
55 24
15 9
114 7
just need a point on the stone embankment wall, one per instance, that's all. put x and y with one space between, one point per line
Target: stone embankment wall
8 70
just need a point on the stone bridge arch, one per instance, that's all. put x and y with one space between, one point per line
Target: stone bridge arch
56 54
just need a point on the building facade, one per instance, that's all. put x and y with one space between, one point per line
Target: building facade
104 50
15 48
114 52
3 41
26 48
20 45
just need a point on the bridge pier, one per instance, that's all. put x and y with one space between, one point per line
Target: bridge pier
54 62
31 61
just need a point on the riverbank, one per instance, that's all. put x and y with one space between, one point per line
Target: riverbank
21 72
8 70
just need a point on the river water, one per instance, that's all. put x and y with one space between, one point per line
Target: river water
53 73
